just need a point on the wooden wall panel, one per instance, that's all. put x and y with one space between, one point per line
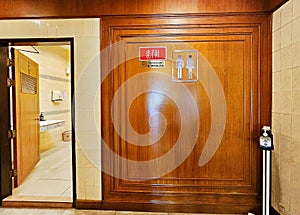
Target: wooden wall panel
98 8
238 48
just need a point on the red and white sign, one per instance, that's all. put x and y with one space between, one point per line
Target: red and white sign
152 53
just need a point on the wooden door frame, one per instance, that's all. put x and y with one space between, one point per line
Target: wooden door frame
5 141
55 41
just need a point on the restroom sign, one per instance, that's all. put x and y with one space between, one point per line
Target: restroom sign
152 53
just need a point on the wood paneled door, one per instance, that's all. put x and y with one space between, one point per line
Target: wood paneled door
184 143
26 116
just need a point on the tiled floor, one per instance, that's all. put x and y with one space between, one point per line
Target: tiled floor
14 211
51 177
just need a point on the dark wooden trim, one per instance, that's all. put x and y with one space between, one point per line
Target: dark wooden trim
36 204
5 142
275 4
151 207
73 117
88 204
39 41
97 204
91 8
178 208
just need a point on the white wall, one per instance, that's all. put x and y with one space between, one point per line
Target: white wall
86 35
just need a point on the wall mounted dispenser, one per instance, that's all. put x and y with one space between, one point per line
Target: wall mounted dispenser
56 95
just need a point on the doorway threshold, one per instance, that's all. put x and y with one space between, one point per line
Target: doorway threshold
37 201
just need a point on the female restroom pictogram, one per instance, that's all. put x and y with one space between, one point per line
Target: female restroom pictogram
185 66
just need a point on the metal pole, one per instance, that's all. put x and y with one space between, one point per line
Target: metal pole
266 182
266 143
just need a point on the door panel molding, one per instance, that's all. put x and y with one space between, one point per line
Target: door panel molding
238 49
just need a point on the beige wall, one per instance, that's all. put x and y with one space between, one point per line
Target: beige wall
286 108
87 45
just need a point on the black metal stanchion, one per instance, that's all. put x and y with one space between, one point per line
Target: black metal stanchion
266 143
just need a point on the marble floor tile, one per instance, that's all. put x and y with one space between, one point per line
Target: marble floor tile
52 176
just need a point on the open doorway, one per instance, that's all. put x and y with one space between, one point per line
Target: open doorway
51 179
